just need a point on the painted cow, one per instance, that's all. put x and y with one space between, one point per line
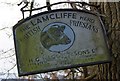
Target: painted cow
54 36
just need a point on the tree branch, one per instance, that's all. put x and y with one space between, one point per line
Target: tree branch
11 68
4 28
7 51
7 57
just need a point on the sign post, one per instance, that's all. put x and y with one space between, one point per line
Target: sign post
59 39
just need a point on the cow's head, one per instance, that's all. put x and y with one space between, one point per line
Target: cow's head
54 36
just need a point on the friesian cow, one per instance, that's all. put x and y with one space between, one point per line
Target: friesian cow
54 36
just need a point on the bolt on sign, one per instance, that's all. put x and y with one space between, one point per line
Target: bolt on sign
59 39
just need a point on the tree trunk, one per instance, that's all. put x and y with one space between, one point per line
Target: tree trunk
111 10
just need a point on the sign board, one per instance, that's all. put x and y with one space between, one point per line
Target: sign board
59 39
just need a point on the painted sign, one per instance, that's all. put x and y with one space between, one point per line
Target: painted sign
59 39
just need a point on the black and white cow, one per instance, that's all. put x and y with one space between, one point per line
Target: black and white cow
54 36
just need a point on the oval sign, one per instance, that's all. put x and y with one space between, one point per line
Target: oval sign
59 39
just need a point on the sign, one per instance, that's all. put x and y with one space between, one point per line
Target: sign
59 39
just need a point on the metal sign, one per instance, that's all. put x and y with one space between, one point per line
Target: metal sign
59 39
